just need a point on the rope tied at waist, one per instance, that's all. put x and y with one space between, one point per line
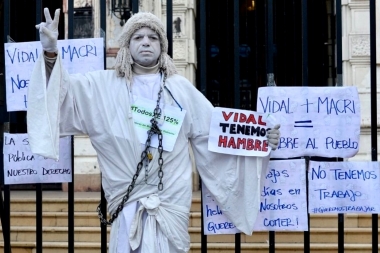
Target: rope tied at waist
165 222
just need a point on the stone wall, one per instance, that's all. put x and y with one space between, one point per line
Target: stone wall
356 64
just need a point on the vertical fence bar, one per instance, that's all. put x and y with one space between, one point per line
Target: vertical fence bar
71 217
70 12
236 42
306 241
339 83
270 81
236 59
202 48
103 202
372 11
103 228
305 48
169 25
135 6
203 236
39 218
38 185
5 218
203 88
272 241
305 77
7 214
269 37
339 68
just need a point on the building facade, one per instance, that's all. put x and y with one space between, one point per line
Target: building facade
355 51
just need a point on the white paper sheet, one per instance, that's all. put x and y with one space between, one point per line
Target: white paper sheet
78 56
21 166
344 187
315 121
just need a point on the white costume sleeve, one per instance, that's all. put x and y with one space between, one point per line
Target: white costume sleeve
43 110
63 106
234 181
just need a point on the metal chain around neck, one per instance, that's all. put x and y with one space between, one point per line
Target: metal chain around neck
154 129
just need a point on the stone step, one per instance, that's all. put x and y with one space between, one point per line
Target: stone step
54 205
317 235
55 219
93 234
316 220
56 201
280 248
58 247
90 219
55 234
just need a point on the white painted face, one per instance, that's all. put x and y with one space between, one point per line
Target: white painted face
145 47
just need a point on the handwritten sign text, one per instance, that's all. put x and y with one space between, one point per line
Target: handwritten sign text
21 166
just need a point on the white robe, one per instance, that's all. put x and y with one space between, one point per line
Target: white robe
98 104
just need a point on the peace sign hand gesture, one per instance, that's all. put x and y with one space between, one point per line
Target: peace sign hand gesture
49 31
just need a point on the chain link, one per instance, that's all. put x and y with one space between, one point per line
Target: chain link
154 129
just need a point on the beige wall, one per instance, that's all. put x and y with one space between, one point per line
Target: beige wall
356 63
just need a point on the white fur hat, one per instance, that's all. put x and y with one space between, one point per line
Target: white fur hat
124 60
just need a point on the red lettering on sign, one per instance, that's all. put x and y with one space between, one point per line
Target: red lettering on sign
251 119
261 121
257 145
241 142
231 143
265 146
250 144
222 141
242 118
227 117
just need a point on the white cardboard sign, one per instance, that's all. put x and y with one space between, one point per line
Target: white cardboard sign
283 205
21 166
214 221
78 56
315 121
344 187
238 132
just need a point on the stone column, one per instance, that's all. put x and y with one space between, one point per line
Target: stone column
356 64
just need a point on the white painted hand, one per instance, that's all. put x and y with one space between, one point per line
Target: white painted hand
273 136
49 31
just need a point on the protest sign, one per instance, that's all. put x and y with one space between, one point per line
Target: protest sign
238 132
21 166
344 187
214 221
283 205
78 56
142 111
315 121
